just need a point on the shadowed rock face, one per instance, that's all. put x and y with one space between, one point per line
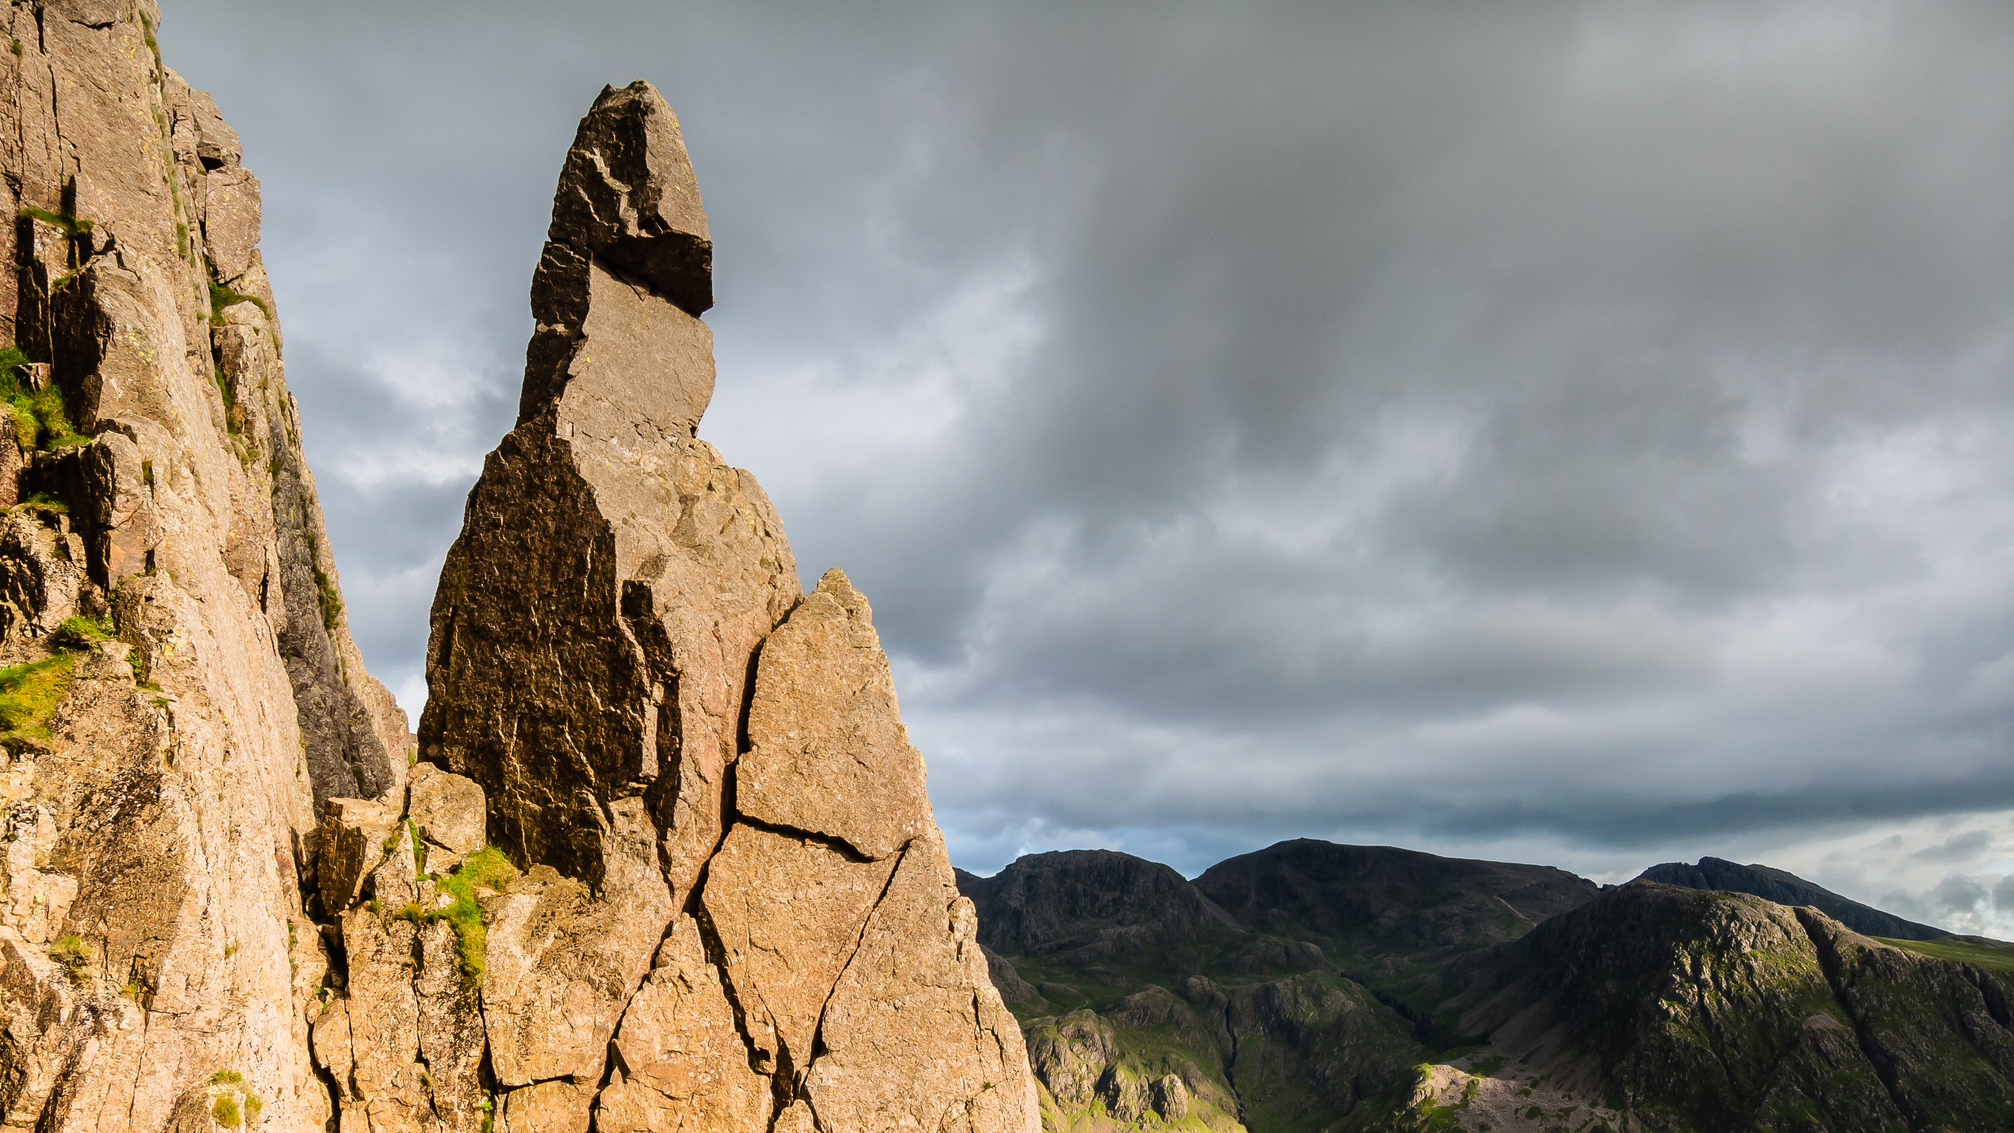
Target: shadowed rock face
1071 898
1788 889
1384 899
732 880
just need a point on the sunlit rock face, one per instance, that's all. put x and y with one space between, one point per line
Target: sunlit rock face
235 892
181 697
736 909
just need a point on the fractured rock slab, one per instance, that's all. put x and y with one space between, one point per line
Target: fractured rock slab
915 1035
824 727
682 1060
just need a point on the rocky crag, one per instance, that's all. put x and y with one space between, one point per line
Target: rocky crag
661 856
1318 987
716 897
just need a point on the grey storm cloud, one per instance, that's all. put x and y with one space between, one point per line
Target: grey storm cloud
1454 424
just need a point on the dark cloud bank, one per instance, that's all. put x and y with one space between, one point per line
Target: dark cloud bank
1582 432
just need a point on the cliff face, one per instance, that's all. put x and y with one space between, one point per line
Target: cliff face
181 691
663 858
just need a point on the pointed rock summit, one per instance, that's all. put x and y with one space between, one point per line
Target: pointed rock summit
727 905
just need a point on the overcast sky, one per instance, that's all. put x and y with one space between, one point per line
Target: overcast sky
1578 433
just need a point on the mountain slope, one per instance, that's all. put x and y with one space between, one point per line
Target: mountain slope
1682 1009
1788 889
1410 992
1290 989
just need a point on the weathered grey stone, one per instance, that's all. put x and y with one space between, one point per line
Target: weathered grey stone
217 147
231 221
788 911
383 1085
913 1034
564 959
627 196
1169 1096
451 1038
548 1107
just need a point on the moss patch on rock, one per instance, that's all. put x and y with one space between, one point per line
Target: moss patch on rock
29 694
487 868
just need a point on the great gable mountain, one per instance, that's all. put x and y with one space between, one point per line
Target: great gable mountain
660 856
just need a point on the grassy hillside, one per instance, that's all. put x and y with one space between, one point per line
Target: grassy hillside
1324 988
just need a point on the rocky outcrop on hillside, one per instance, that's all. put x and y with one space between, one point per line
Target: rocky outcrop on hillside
734 908
1678 1009
179 693
1788 889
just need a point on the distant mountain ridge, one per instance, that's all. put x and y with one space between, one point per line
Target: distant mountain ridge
1371 896
1318 988
1789 889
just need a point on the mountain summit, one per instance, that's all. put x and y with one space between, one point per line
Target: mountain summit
1788 889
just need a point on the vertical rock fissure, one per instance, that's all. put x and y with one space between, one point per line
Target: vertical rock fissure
716 956
1832 965
1996 998
818 1030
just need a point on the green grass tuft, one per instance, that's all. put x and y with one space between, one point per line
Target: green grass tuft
225 1111
487 868
68 222
71 952
81 633
331 598
40 417
29 694
1977 951
221 296
44 502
